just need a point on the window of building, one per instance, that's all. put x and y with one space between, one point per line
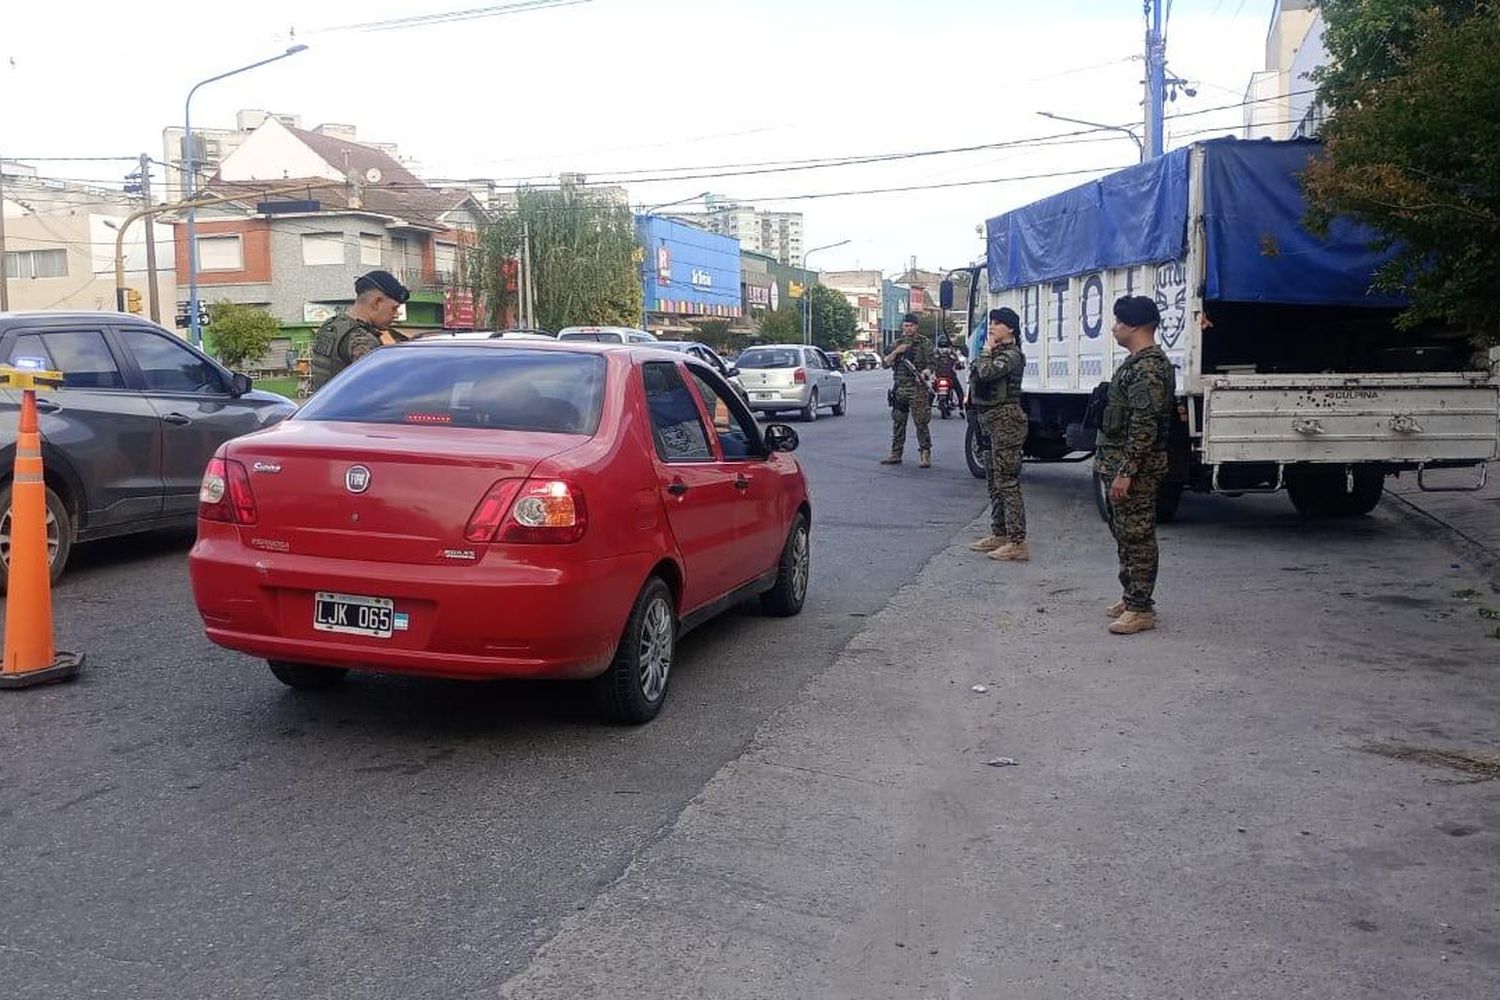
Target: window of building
36 264
322 249
220 253
369 249
445 258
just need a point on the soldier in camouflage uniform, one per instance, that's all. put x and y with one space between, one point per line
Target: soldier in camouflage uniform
1131 457
995 396
911 360
351 335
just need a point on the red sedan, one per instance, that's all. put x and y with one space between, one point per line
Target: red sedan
480 509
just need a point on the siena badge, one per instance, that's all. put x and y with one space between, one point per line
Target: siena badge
357 479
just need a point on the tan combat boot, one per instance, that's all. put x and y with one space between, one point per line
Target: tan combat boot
988 543
1132 622
894 458
1115 610
924 459
1012 552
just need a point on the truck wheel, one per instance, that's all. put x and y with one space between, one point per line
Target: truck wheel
1101 498
1168 499
1048 449
59 536
975 453
1323 490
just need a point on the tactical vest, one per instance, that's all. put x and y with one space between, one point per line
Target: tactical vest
327 356
1116 418
986 393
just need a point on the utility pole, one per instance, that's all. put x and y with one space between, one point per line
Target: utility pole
1156 71
151 290
4 281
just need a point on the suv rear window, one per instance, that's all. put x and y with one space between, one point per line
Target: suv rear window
596 336
764 357
496 388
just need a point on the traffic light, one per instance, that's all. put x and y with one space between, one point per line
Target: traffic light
132 300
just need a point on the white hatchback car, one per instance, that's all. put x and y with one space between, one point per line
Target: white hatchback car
607 334
792 377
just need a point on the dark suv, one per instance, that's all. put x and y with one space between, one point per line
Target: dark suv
126 437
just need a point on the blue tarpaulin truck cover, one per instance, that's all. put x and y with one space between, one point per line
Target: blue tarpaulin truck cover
1256 248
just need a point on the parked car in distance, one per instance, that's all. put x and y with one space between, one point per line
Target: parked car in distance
481 509
729 372
492 335
868 360
792 377
126 437
607 334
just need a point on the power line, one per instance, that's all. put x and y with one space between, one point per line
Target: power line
447 17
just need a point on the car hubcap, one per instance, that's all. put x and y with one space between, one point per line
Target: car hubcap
801 564
656 649
51 538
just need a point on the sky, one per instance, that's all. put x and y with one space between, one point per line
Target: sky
631 90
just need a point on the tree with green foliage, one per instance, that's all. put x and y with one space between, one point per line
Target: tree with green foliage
240 333
834 321
782 326
1413 150
584 255
927 325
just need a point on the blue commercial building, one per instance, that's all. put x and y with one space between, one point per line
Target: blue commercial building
687 273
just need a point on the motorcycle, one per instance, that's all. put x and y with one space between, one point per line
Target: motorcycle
946 395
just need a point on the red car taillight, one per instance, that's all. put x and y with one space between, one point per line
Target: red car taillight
225 494
490 514
800 376
534 512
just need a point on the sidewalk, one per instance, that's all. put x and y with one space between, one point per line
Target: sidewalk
1474 517
1195 812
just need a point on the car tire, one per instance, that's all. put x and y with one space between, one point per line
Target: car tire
810 411
306 676
793 572
842 406
59 536
634 687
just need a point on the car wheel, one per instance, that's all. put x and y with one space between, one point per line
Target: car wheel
842 406
59 536
306 676
810 411
785 598
634 688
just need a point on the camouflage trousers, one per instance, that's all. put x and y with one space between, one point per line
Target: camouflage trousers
1133 523
919 406
1005 425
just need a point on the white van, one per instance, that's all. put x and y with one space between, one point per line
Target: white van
607 334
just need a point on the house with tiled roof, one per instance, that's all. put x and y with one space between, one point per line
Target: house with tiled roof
310 212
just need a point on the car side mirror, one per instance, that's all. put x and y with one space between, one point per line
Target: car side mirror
732 371
945 294
780 437
239 384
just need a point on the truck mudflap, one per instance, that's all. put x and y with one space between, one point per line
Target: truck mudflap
1400 418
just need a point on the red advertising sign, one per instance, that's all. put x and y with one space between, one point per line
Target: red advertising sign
458 310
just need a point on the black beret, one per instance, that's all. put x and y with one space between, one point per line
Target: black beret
384 282
1007 316
910 318
1137 310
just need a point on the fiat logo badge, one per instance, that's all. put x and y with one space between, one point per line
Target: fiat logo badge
357 479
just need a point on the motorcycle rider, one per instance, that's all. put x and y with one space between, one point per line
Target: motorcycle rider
945 365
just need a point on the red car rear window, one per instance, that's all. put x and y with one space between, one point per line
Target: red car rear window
504 389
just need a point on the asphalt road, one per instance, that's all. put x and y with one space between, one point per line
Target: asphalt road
177 824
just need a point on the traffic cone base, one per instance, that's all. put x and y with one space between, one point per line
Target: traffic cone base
64 668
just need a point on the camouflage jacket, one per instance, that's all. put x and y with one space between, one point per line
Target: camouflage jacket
1137 416
945 361
339 343
920 356
996 376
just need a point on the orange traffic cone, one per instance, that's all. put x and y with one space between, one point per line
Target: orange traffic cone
30 658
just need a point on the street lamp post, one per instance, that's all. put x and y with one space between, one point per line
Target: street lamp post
1140 146
807 294
190 171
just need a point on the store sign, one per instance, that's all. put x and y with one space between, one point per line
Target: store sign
759 296
702 279
318 313
458 310
663 265
795 289
775 297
